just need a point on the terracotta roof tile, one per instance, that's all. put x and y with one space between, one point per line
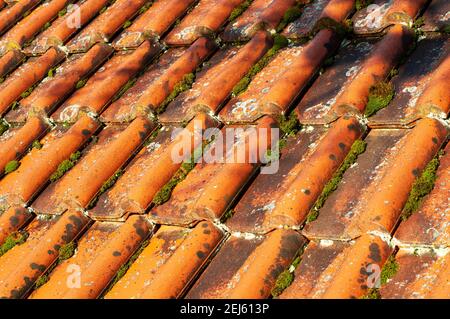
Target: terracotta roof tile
169 263
10 61
11 220
215 82
335 269
307 162
153 23
14 12
421 88
313 12
262 14
383 13
436 16
365 202
248 268
205 19
358 79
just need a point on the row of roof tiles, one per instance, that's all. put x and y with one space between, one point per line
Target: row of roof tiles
343 241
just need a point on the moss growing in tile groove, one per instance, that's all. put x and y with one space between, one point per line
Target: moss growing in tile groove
290 15
341 29
289 125
388 271
228 214
357 149
239 10
4 126
446 29
106 185
37 145
124 268
80 84
66 251
181 87
145 7
65 166
421 187
361 4
11 166
124 88
286 278
373 293
17 238
126 25
278 43
42 280
380 95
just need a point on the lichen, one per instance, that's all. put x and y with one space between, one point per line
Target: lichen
11 166
65 166
357 149
66 251
421 187
17 238
182 86
278 43
380 95
239 10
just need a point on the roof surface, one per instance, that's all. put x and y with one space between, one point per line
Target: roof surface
97 95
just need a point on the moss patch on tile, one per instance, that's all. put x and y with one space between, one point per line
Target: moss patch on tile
66 251
388 271
4 126
37 144
228 214
286 278
357 149
181 87
380 95
361 4
290 15
421 187
373 293
11 166
106 185
279 43
239 10
16 238
42 280
289 125
65 166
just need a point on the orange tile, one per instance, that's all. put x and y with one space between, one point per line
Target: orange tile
26 76
105 25
11 220
37 166
420 88
59 32
430 225
153 23
10 15
247 268
100 252
102 87
372 193
435 16
55 88
204 20
101 160
307 163
262 14
15 141
339 270
274 88
10 61
169 263
21 266
215 82
210 188
376 18
28 27
158 81
150 170
314 12
423 275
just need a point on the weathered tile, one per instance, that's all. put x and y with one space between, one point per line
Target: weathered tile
169 263
14 12
11 220
10 61
247 268
437 16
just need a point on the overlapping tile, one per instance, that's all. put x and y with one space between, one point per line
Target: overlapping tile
204 20
345 86
247 268
436 17
372 193
382 13
169 263
261 15
10 61
421 87
276 86
14 12
216 81
307 162
153 23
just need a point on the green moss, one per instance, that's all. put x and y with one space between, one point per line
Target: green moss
373 293
357 149
239 10
145 7
279 43
67 251
389 270
125 88
285 279
126 24
380 96
290 125
65 166
27 92
103 10
17 238
4 126
360 4
46 26
42 280
182 86
106 185
420 22
51 72
446 29
80 84
421 187
11 166
228 214
36 144
342 29
290 15
62 13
